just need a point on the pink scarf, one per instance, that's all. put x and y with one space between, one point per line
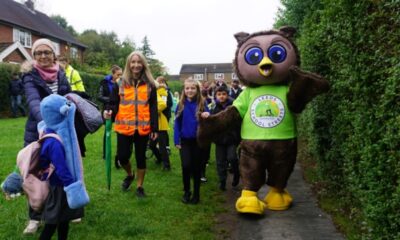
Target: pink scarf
49 75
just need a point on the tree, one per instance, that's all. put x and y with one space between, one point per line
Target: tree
146 50
103 49
156 66
62 22
127 46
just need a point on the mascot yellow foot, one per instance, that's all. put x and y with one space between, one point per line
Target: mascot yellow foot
249 203
278 200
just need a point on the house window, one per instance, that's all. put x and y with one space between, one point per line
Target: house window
73 52
198 76
25 38
234 76
219 76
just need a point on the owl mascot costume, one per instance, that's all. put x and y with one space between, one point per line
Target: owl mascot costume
267 63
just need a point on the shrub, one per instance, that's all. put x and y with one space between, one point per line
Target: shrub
354 130
6 72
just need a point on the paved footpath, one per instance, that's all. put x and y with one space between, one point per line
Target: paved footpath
303 221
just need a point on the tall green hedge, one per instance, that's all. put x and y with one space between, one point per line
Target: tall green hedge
354 130
6 72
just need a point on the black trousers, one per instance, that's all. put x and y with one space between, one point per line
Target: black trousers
125 145
191 155
49 230
224 154
205 157
161 152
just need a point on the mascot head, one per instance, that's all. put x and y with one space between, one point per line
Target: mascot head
265 57
58 114
56 110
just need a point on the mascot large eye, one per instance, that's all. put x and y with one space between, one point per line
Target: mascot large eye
277 53
254 56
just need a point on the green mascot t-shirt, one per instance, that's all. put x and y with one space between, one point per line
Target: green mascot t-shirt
265 113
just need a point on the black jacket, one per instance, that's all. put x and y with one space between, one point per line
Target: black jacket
104 92
16 87
232 136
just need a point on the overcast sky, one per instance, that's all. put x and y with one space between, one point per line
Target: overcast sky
180 31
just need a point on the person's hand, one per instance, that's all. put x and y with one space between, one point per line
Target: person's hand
153 136
107 114
178 146
205 114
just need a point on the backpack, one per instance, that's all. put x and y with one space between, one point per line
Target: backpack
89 110
28 162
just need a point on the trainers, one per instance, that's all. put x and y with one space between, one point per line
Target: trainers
194 200
140 192
186 197
203 179
32 227
167 169
76 220
127 182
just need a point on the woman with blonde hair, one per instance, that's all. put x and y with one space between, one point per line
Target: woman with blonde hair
133 103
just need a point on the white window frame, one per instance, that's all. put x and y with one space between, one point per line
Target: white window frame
74 52
24 37
219 76
198 76
234 76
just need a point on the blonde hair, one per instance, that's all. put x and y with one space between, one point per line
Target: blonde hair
146 76
198 98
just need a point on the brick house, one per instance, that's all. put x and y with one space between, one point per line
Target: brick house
21 25
208 72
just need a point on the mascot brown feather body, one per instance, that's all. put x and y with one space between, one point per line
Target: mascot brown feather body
267 63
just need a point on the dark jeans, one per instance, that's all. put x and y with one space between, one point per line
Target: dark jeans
191 165
161 152
49 230
125 145
205 157
16 103
225 154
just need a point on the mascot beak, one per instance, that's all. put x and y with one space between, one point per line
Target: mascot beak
265 67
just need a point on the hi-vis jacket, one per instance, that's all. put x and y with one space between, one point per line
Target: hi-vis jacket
74 79
134 108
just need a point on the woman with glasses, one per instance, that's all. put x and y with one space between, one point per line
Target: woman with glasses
41 78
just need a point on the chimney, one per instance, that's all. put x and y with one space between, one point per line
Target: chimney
30 4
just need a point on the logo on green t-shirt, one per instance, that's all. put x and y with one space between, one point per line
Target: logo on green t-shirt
267 111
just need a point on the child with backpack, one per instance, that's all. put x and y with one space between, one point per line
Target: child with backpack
67 193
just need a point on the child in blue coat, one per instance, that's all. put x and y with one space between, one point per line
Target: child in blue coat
185 129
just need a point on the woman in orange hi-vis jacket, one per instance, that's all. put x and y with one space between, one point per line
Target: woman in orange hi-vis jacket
133 102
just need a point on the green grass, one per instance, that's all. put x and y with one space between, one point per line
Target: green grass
115 214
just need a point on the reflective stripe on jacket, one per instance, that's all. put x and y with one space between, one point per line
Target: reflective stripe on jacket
74 79
134 110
